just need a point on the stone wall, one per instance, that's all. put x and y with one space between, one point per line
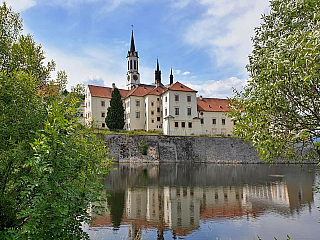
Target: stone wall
125 148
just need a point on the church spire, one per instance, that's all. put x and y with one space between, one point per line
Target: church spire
171 78
132 48
157 74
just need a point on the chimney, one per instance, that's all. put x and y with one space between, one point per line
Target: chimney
200 97
113 85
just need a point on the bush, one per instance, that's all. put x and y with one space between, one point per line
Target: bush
144 147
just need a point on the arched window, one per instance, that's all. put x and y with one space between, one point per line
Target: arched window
135 66
130 64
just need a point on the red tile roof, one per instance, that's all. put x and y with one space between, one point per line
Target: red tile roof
180 87
158 90
140 91
105 92
213 105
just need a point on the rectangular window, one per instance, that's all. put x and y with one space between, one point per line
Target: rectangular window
158 119
137 114
138 103
158 109
165 112
234 122
152 112
190 124
176 97
176 111
188 98
158 99
88 104
103 103
189 111
152 120
214 121
166 99
183 124
176 124
202 121
103 114
103 125
223 121
152 103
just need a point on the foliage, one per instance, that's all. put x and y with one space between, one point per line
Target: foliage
281 99
49 163
144 147
115 114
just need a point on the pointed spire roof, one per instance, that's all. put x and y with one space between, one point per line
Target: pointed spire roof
158 65
132 48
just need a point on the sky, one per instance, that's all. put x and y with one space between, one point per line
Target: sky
206 42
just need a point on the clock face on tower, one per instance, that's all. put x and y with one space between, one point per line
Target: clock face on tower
135 77
128 78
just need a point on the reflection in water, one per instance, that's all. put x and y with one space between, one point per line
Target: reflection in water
180 198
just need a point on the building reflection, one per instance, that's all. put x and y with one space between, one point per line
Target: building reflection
181 209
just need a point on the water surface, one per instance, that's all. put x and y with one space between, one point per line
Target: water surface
208 201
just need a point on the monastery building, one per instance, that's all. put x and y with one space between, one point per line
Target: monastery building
173 108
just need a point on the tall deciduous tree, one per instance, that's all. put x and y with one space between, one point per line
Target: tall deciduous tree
49 164
115 114
282 97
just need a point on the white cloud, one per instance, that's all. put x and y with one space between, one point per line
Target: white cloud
193 77
176 71
218 89
185 73
180 3
226 28
21 5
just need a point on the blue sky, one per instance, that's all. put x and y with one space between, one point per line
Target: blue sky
205 41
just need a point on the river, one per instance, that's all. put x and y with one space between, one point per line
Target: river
209 201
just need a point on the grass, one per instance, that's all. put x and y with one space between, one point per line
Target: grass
151 132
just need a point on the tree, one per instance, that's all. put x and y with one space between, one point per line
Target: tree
281 99
49 164
115 114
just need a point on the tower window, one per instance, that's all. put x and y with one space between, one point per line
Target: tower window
152 104
130 64
103 114
135 65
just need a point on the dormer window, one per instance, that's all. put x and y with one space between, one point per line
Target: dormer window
220 106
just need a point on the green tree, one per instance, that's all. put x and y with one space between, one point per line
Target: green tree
281 99
49 163
115 114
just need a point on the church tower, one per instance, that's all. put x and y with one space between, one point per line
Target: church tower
133 76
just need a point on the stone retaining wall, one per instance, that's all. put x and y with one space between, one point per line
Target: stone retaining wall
125 148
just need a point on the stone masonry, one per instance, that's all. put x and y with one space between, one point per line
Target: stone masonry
127 148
